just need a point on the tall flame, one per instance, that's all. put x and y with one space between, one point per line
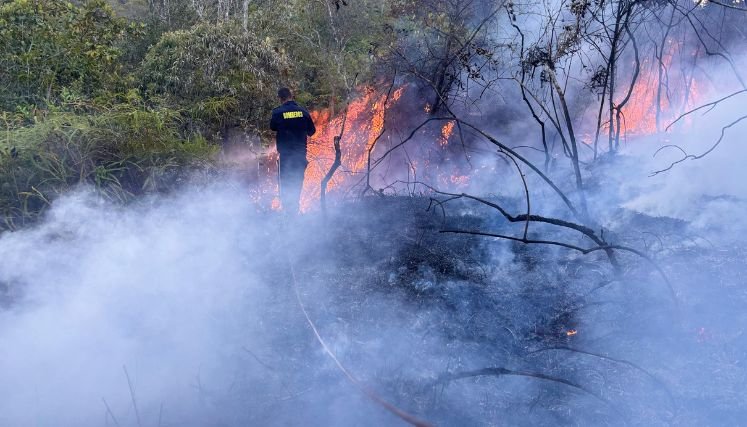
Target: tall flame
672 95
363 125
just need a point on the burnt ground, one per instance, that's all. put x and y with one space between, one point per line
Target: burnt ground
466 330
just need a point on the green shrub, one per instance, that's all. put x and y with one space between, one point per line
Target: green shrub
50 45
123 153
219 74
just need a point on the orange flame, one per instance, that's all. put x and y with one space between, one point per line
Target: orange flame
640 113
446 132
361 132
364 121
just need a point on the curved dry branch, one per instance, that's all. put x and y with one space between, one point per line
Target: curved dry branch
651 376
338 158
586 231
710 104
687 156
499 372
609 249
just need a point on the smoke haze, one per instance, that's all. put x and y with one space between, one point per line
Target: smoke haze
181 310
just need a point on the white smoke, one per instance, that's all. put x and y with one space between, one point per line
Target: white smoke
165 292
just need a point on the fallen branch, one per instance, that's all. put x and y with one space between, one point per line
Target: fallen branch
588 232
612 359
585 251
498 372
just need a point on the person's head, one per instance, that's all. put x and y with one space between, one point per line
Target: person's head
285 94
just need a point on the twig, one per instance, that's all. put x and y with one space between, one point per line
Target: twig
383 130
526 194
710 104
111 414
132 395
700 156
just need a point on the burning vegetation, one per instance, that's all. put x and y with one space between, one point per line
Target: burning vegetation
512 214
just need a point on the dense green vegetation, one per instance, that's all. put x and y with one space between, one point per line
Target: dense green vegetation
133 97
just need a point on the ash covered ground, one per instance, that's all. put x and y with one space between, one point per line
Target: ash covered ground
183 311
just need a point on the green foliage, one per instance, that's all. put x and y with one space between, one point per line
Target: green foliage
123 153
50 45
219 74
331 46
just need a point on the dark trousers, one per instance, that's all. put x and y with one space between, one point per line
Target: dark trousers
292 169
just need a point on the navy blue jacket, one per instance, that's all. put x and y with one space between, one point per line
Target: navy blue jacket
293 124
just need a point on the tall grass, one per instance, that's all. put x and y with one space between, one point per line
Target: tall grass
122 152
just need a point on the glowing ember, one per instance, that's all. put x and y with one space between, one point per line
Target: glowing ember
446 132
276 205
460 180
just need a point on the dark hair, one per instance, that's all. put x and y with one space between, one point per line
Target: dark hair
284 93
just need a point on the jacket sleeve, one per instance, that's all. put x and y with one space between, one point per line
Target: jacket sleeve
310 128
275 121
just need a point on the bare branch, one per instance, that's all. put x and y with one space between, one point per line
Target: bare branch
499 371
699 156
710 104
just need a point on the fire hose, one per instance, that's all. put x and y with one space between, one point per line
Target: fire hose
368 392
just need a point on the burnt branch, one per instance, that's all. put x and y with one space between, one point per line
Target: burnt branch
687 156
338 159
526 218
651 376
712 105
376 140
499 372
599 240
585 251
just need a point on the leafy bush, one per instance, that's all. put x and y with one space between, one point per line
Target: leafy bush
220 74
50 45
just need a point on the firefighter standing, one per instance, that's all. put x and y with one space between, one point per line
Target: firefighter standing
293 125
